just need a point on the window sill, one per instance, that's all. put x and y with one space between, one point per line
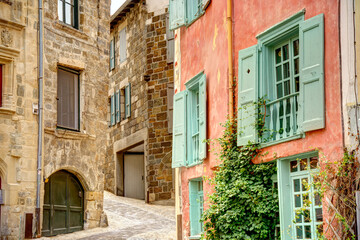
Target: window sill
70 30
7 111
68 134
196 237
194 164
268 144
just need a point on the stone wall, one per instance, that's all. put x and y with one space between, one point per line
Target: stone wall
147 70
18 125
85 50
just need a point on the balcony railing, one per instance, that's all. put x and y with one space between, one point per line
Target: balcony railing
281 118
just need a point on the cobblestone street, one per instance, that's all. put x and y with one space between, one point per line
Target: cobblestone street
130 219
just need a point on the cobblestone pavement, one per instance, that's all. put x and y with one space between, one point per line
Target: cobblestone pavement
130 219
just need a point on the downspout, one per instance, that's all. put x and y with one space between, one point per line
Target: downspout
230 60
39 153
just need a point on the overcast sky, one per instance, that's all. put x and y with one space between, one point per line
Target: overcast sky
115 4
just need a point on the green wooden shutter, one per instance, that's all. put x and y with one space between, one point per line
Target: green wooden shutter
112 108
283 174
194 208
177 13
117 106
128 100
179 130
247 95
202 117
312 99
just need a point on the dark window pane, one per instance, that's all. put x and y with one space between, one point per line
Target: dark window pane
313 162
279 90
297 84
296 66
297 200
298 218
286 67
307 217
296 47
296 185
306 201
287 87
307 232
319 215
278 73
303 164
286 52
319 229
317 199
278 55
299 232
305 184
293 166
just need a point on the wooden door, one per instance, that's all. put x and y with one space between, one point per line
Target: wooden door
134 184
63 209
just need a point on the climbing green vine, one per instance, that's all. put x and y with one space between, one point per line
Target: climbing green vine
244 204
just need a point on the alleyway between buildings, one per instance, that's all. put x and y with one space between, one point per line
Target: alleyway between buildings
130 219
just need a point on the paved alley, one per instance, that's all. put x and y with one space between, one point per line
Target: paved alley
130 219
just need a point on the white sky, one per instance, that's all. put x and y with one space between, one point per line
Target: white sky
115 4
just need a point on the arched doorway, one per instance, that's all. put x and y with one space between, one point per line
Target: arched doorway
63 210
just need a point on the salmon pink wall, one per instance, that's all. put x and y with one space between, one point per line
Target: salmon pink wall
204 47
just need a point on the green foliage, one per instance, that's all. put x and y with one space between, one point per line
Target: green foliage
244 204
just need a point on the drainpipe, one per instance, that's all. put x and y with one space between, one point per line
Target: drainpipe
230 59
40 135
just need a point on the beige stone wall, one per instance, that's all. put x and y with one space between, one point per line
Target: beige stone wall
86 50
18 125
146 56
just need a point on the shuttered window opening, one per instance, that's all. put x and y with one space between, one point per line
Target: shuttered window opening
189 123
68 12
112 110
196 200
170 47
128 101
122 45
68 99
287 68
170 103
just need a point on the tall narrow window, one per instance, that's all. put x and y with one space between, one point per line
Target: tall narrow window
128 101
68 12
112 54
122 42
68 99
1 82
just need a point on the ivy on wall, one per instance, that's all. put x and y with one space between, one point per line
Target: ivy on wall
244 204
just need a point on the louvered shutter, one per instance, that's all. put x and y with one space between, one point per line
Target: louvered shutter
177 13
247 95
194 208
170 47
202 117
179 130
112 110
117 106
312 98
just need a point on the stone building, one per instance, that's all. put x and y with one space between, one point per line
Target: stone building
18 124
75 91
138 162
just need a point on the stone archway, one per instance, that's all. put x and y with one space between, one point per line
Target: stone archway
63 209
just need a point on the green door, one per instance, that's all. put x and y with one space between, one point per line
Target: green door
63 210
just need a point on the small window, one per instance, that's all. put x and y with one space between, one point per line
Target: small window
68 99
128 101
68 12
122 42
196 199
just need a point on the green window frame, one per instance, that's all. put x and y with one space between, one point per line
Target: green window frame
189 123
128 101
301 214
196 209
112 110
185 12
117 106
68 12
299 109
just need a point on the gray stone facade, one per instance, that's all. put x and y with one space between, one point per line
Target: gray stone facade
150 73
85 50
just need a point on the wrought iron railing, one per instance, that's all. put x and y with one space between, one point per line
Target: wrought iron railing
281 118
